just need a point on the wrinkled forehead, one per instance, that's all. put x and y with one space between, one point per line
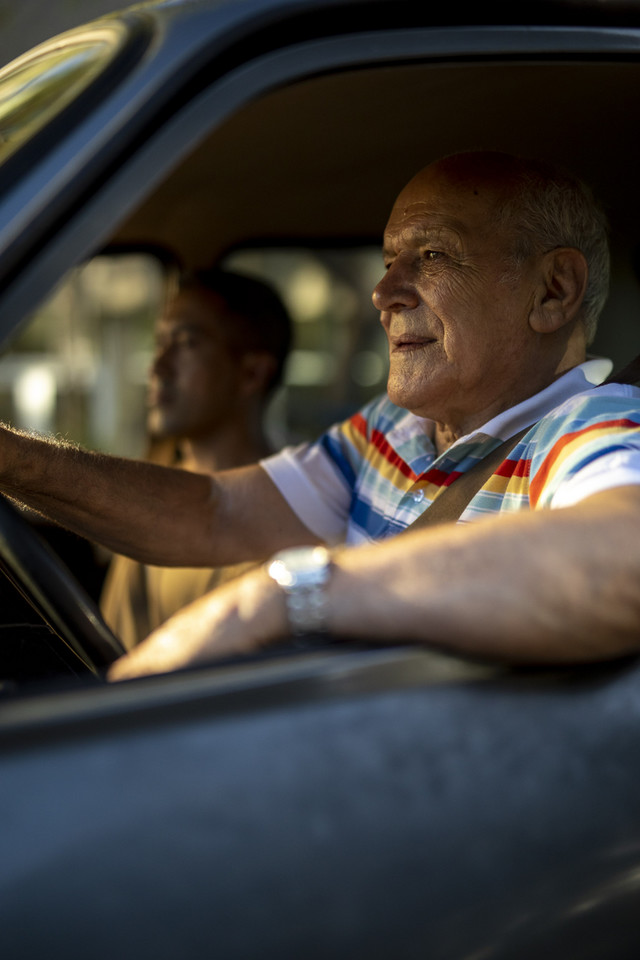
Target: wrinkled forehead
461 193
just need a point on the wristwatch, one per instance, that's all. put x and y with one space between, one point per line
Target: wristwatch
303 574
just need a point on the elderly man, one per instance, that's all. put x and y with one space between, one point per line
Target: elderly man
496 271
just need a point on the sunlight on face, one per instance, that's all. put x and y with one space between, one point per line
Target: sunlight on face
460 344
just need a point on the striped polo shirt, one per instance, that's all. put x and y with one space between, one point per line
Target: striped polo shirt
368 478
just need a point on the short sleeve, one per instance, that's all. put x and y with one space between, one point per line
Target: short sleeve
589 444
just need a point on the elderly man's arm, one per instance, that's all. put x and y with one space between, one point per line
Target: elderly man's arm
154 514
542 587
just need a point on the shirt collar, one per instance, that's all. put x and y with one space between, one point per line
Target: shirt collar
412 436
588 374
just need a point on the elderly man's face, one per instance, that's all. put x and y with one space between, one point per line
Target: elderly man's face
455 312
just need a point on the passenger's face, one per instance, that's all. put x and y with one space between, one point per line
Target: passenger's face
195 377
455 317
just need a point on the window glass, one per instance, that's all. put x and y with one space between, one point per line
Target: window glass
339 356
79 368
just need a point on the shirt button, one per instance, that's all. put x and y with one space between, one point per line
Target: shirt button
417 496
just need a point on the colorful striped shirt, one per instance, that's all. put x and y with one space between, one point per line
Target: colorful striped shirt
369 477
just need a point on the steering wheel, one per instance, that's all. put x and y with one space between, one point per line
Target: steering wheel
51 588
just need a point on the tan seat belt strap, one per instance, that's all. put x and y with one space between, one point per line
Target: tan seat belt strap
451 503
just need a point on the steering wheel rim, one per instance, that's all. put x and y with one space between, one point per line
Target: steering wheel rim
49 585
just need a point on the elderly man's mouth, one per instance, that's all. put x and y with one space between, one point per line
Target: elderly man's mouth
407 344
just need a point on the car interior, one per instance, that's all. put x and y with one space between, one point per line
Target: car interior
325 157
295 186
319 800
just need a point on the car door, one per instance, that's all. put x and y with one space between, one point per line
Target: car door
346 801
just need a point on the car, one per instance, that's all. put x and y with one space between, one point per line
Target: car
344 800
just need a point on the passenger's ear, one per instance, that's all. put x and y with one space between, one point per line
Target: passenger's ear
257 368
563 283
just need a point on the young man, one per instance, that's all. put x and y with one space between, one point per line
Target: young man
221 345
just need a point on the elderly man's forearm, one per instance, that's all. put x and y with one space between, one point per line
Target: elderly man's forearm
127 505
154 514
546 587
549 586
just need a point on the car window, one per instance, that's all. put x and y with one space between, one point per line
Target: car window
338 360
78 369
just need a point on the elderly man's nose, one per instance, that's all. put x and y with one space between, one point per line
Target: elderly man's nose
395 291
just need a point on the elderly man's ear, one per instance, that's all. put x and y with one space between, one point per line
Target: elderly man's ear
563 281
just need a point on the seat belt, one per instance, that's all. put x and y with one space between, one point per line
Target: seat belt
629 374
450 504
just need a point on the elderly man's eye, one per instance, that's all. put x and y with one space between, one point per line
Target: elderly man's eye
433 255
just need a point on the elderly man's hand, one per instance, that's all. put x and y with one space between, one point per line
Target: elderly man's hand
238 618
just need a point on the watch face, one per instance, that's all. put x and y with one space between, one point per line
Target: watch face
300 566
303 573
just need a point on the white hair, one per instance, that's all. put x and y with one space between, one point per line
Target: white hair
550 208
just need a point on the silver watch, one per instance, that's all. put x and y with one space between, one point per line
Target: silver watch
303 573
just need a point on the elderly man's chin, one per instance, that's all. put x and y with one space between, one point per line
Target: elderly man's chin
415 393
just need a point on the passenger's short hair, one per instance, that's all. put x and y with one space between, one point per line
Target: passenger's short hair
552 208
261 320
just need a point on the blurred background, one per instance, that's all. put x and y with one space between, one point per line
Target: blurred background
78 367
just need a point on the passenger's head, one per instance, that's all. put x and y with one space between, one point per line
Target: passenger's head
221 346
497 268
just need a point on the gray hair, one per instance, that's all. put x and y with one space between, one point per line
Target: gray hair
551 208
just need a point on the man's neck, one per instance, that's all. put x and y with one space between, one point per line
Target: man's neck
445 434
222 451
